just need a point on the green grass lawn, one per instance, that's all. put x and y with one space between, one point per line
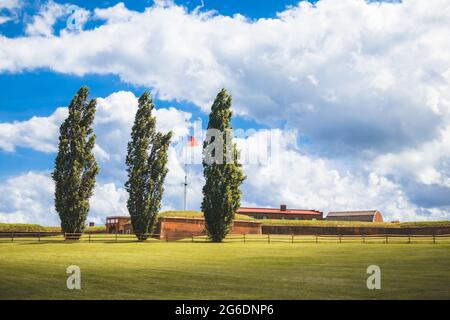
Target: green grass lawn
159 270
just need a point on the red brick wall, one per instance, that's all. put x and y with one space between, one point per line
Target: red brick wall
246 227
117 227
173 228
179 228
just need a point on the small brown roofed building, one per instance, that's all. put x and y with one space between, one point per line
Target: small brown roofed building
363 216
281 213
116 224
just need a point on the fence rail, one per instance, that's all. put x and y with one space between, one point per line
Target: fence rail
59 237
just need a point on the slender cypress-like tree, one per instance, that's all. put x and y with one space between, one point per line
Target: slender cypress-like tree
222 171
146 166
75 164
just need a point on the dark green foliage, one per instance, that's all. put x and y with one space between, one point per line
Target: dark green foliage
223 175
75 165
146 166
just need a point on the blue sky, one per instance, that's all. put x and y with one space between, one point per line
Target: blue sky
23 98
356 92
252 9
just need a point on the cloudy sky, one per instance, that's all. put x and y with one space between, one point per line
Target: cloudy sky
356 94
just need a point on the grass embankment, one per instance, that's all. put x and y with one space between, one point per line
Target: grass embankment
326 223
159 270
23 227
197 214
96 229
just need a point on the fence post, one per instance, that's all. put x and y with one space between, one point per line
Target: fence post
364 238
116 235
434 239
340 239
89 237
409 238
292 238
39 237
268 238
386 238
244 237
12 236
192 237
317 240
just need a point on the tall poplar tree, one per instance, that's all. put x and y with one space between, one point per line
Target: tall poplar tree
75 164
146 166
222 171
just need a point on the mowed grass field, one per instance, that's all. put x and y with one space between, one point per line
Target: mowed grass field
160 270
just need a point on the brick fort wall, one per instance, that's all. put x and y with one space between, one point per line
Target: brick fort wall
174 228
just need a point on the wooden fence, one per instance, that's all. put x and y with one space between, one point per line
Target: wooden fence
45 237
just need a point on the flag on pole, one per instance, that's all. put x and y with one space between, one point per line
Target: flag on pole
192 142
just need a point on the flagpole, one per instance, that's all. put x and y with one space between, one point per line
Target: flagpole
185 177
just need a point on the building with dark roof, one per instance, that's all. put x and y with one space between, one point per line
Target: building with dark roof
365 216
281 213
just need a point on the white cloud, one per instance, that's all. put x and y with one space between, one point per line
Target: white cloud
427 163
38 133
334 69
43 22
366 83
302 181
116 14
4 19
108 200
113 122
28 198
10 4
293 178
112 125
9 10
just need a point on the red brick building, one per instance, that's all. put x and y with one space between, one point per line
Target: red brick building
281 213
116 224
